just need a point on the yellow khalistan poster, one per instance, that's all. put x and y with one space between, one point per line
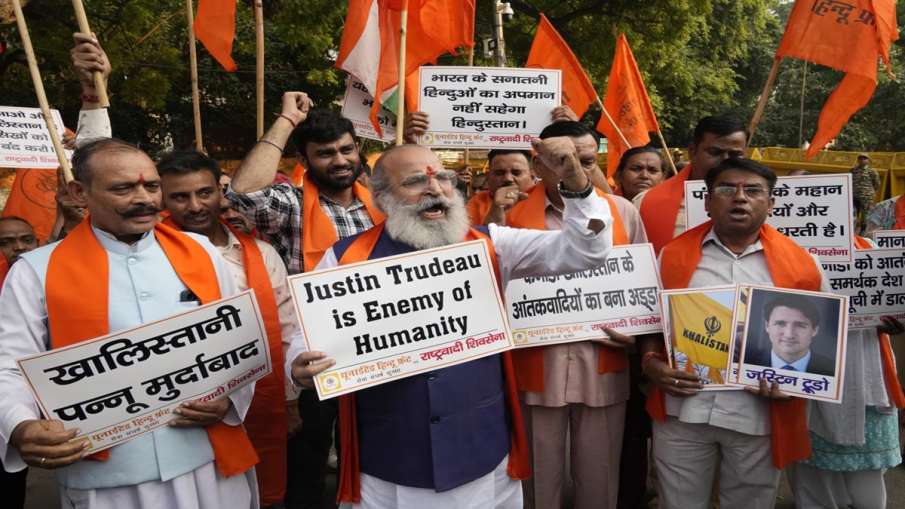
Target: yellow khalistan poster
701 330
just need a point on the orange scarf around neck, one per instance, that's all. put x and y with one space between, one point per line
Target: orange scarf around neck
529 362
478 207
660 209
319 232
4 270
80 262
349 489
790 266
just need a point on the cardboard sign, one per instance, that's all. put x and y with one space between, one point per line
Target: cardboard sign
24 140
357 108
874 284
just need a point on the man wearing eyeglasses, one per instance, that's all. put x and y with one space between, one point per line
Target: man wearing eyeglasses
697 434
460 427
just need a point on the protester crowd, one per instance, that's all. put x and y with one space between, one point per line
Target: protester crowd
495 432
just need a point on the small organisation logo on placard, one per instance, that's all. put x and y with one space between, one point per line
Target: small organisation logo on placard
330 382
519 337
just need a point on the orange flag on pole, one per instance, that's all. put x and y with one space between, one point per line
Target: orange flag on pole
627 102
848 36
215 27
369 48
550 51
33 198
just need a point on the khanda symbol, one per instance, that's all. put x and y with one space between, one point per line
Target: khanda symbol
713 325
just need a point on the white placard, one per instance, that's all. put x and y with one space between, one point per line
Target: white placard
394 317
795 339
487 107
622 294
122 385
874 283
813 210
890 238
24 140
357 108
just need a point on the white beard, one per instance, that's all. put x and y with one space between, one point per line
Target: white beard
404 223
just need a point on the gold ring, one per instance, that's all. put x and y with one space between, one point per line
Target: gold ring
677 382
43 460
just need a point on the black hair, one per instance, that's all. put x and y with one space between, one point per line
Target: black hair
720 125
569 128
321 126
81 159
504 151
182 162
799 302
638 150
738 163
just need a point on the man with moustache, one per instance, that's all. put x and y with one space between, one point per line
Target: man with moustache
190 184
508 177
16 238
302 223
117 270
460 452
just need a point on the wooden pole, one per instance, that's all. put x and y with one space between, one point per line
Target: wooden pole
672 164
804 81
613 123
470 64
764 97
39 91
259 64
99 83
400 88
193 66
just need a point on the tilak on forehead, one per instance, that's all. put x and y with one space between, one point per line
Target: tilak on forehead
430 170
141 180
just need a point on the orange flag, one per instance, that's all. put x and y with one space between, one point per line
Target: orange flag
33 198
215 27
550 51
847 36
627 102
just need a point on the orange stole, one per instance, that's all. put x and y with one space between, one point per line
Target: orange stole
349 489
319 232
4 270
900 214
530 213
887 358
478 207
660 208
790 266
73 316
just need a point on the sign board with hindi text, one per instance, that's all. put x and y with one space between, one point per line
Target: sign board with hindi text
394 317
813 210
890 239
795 339
698 325
357 108
487 107
622 294
122 385
874 284
24 140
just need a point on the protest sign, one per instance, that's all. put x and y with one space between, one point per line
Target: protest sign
698 332
813 210
487 107
122 385
795 339
24 140
620 295
890 238
357 108
394 317
874 284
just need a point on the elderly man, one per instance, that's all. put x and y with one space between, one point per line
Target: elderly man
508 177
58 295
464 463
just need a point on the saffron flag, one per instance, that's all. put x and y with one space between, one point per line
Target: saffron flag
628 104
550 51
33 198
369 48
847 36
215 27
701 330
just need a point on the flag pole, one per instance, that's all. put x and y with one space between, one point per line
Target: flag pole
400 87
39 91
764 97
804 82
613 123
672 164
99 85
259 65
193 71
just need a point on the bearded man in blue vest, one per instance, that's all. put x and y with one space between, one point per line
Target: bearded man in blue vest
459 429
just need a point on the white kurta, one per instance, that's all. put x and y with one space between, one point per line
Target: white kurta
23 331
520 253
